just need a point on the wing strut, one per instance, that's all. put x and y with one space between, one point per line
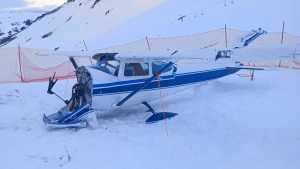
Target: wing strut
146 84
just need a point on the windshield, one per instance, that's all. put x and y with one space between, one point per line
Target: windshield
110 67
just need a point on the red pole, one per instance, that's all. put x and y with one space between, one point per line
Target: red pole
20 63
252 75
226 42
282 32
279 65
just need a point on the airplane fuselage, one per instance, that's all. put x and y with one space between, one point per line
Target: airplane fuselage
106 95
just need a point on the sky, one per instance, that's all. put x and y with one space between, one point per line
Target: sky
7 4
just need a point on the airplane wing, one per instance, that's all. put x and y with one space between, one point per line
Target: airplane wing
247 68
64 53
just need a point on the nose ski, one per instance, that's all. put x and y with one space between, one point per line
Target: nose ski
66 119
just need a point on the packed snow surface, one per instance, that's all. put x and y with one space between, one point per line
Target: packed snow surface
228 123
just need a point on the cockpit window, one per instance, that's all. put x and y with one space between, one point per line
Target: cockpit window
136 69
110 67
158 65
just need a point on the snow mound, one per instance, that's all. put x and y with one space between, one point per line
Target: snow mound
234 121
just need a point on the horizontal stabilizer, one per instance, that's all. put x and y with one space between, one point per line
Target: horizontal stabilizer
246 68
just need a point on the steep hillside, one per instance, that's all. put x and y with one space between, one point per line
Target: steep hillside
79 20
95 24
229 123
178 18
13 22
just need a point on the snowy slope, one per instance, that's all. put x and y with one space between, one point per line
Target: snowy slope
14 21
202 16
116 22
228 123
80 20
15 18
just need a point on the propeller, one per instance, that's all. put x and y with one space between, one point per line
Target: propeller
75 65
52 82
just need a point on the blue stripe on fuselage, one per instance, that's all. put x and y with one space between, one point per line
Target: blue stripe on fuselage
165 81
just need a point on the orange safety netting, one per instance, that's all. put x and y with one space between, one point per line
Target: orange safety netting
287 64
29 65
26 65
30 72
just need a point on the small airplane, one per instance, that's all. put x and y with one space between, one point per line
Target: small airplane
118 81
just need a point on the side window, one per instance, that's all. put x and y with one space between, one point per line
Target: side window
158 65
136 69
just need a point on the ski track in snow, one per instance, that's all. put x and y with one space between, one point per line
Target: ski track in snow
229 123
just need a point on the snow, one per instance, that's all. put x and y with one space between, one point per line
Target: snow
15 17
202 16
77 21
229 123
134 19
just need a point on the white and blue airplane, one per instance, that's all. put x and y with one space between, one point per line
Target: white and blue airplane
120 82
